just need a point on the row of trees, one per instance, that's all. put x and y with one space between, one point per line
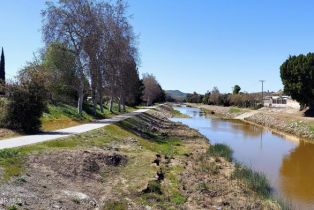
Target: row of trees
90 58
236 98
100 44
91 51
297 75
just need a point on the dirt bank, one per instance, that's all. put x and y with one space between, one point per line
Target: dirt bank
146 162
288 124
289 121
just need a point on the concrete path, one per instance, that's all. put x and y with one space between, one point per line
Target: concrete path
47 136
247 114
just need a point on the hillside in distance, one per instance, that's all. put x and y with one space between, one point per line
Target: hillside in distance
176 94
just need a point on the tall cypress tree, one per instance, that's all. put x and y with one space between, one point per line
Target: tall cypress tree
2 67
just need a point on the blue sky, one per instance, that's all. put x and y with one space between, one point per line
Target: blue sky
191 45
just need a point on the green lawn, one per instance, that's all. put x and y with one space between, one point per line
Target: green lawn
63 116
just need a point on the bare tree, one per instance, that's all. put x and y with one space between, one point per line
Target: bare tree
214 96
152 89
103 42
120 54
66 22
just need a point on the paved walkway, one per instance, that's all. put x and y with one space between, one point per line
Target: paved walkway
47 136
247 114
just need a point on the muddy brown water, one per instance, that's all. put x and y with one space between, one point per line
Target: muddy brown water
287 162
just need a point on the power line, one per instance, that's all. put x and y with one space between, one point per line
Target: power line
262 81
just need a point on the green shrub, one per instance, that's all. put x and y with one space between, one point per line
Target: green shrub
220 150
26 103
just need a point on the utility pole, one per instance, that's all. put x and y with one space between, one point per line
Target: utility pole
262 81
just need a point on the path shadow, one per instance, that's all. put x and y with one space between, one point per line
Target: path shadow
54 133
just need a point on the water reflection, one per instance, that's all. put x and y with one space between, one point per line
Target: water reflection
289 165
297 173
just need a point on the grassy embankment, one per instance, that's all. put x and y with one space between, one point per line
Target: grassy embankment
179 151
139 170
62 116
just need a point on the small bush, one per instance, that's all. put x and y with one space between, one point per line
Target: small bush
153 187
220 150
25 107
256 181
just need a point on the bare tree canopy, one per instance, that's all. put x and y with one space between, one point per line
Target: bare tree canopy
103 43
152 89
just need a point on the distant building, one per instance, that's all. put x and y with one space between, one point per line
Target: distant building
280 102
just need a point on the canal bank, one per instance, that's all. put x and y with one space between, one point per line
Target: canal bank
290 124
287 164
143 162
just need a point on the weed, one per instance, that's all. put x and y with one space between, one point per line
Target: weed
20 181
8 153
76 200
255 181
284 204
115 205
203 187
12 207
220 150
177 198
153 187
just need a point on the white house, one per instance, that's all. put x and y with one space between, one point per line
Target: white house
280 102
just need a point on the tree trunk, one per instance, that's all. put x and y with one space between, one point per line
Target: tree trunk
147 103
123 105
80 99
111 103
94 102
101 104
119 105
